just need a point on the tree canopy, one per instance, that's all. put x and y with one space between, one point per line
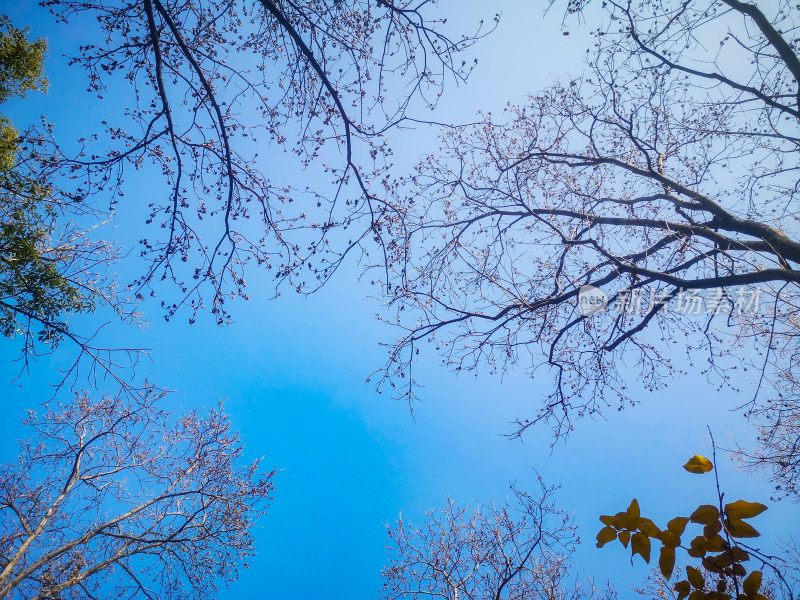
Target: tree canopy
21 62
631 223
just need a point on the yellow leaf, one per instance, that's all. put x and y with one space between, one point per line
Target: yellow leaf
666 562
625 537
744 510
647 527
683 588
695 552
709 564
705 514
640 544
722 560
716 544
700 542
633 509
609 521
626 521
668 538
712 529
695 578
739 555
678 525
698 465
607 534
740 529
752 583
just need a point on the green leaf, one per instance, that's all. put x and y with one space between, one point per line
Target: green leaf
698 465
22 62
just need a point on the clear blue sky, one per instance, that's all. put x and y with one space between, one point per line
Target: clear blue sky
293 374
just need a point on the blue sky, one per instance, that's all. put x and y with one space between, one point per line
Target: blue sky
292 372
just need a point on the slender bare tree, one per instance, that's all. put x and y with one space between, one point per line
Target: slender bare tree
514 550
646 208
117 498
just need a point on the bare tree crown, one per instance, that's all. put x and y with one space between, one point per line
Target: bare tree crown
666 172
117 498
516 549
214 84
